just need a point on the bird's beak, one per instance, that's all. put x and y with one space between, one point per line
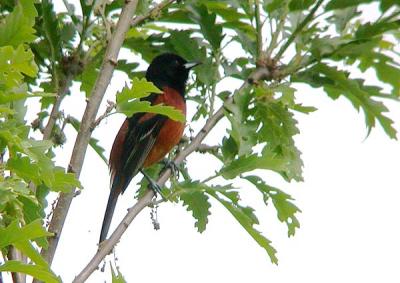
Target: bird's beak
190 65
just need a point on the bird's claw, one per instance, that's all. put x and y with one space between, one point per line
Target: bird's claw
153 185
171 165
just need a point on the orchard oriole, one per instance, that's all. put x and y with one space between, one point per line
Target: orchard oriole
145 138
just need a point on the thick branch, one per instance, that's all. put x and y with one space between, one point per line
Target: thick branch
82 140
14 254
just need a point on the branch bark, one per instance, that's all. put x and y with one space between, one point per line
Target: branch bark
82 140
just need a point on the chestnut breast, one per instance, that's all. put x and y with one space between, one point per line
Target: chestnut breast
171 132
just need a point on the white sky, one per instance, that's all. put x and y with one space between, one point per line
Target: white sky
349 224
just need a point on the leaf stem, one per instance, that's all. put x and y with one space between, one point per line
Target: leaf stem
298 29
62 91
217 174
275 35
214 85
259 30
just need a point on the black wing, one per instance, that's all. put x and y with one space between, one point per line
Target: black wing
138 143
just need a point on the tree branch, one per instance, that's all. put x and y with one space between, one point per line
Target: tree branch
82 140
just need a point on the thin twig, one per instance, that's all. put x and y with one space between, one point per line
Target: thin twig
62 91
298 29
259 30
110 107
152 13
214 85
82 140
275 34
204 148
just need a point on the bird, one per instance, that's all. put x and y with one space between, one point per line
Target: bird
146 138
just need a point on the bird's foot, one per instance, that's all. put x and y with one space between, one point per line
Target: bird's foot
153 185
171 165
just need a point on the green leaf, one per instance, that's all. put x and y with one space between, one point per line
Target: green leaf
36 271
324 46
242 130
116 275
387 4
224 10
342 18
197 202
10 97
140 88
24 168
130 108
126 67
359 96
14 233
249 163
27 248
17 27
272 6
278 128
186 46
13 64
387 70
369 30
341 4
246 218
90 72
207 21
32 209
51 30
64 182
282 202
300 4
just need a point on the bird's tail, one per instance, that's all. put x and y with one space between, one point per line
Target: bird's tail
112 201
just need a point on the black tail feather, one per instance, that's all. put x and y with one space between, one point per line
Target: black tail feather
112 201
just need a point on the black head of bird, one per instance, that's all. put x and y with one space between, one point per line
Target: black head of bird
170 70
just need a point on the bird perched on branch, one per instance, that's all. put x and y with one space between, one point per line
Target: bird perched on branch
146 138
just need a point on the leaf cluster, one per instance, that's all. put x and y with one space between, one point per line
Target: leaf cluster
28 172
